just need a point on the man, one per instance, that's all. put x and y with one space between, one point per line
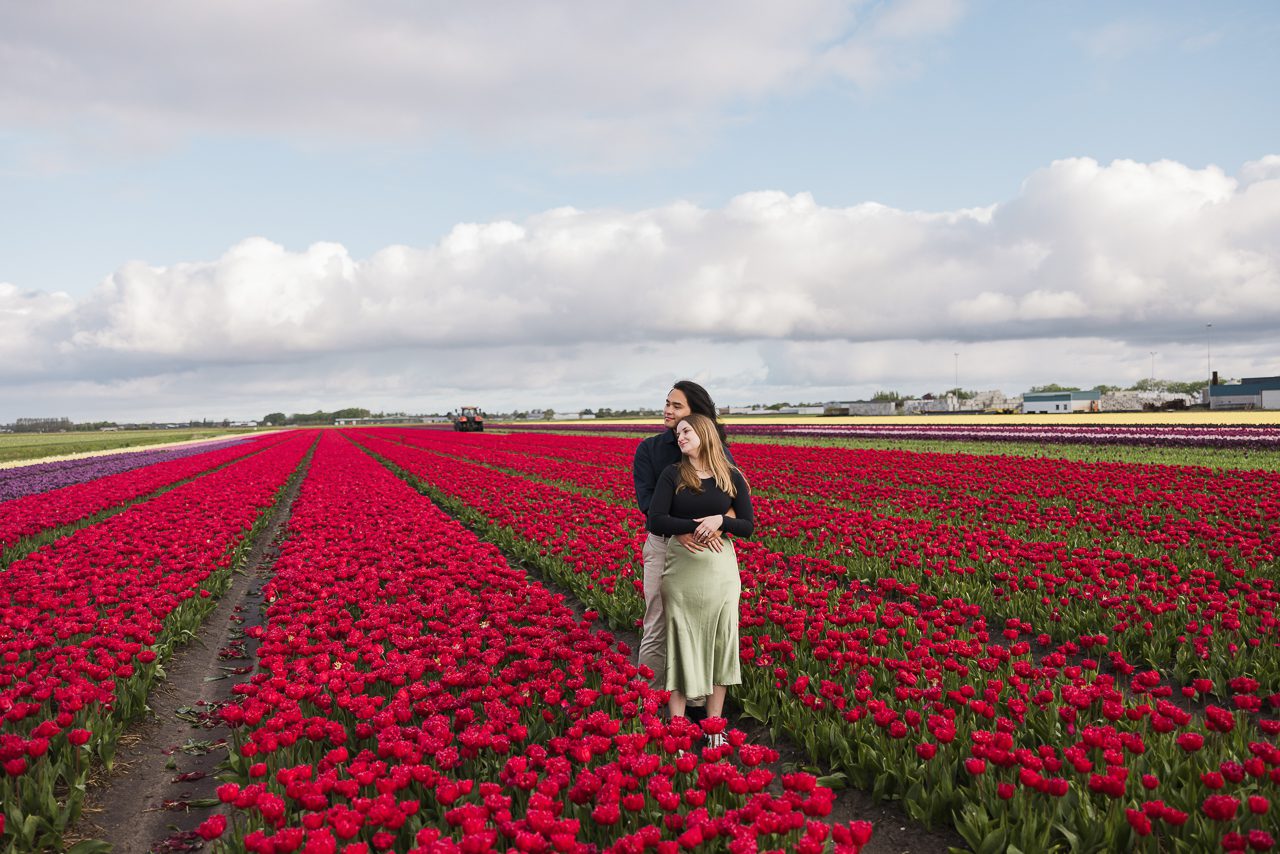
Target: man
654 455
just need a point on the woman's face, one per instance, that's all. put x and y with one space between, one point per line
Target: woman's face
687 439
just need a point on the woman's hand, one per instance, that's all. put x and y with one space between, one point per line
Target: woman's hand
708 528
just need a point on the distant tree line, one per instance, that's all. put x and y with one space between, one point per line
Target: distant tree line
42 425
66 425
279 419
1194 387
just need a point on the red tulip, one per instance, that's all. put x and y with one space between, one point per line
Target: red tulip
1191 741
1138 821
1220 807
212 827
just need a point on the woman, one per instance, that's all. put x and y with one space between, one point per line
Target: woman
700 589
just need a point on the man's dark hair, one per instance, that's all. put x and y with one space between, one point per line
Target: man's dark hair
701 403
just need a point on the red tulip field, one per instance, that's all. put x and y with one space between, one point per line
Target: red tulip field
1038 655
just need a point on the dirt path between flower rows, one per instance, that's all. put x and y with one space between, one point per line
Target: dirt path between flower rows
163 782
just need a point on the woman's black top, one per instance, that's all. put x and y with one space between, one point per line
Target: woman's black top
672 512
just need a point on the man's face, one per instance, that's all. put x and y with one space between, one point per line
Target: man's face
676 407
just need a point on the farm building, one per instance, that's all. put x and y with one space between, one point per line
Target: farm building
782 410
860 407
1061 401
922 405
872 407
991 400
1249 393
1134 401
382 419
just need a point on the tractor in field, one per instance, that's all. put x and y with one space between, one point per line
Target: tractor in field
469 419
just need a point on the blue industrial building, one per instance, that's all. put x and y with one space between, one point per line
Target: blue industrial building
1249 393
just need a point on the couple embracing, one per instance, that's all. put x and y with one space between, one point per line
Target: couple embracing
694 496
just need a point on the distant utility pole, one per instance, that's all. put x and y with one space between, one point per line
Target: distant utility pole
1153 365
957 355
1208 351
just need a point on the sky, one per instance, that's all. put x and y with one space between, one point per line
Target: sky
220 210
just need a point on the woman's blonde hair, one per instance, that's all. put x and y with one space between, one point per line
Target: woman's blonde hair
711 450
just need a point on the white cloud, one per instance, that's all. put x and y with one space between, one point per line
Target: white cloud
984 308
1257 171
1130 254
605 84
31 326
1052 305
1149 242
1083 245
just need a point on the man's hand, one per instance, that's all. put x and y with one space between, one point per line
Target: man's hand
690 542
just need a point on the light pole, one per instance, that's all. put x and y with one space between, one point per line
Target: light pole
1153 365
1208 351
957 355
